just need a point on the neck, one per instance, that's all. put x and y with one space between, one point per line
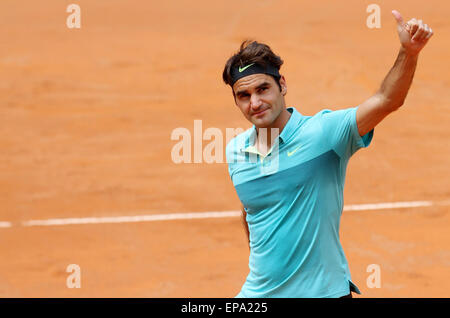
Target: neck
279 124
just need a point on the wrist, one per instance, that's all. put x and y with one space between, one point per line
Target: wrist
408 52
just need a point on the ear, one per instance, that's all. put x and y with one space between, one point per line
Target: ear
283 85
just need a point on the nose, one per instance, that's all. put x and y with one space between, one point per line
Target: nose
255 102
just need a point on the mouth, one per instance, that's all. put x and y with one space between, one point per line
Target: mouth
260 113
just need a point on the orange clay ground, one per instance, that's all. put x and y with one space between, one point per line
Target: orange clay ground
87 114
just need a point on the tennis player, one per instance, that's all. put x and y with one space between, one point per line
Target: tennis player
292 194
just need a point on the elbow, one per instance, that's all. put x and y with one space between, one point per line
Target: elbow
397 103
391 104
396 106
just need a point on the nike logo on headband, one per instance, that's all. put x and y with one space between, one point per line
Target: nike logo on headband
241 69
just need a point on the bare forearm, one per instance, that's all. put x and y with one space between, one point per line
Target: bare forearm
397 82
413 36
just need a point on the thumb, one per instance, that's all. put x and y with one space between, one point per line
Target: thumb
398 17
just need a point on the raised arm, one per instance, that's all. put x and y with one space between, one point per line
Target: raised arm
394 88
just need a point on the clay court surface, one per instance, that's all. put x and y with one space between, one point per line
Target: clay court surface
86 119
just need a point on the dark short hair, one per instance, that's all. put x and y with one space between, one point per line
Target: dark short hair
252 52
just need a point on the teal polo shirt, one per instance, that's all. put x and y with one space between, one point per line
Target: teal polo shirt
293 197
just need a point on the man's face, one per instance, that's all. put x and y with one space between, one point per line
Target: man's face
259 98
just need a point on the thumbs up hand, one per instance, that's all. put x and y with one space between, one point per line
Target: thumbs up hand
413 35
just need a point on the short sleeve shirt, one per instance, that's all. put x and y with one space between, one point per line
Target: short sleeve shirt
293 197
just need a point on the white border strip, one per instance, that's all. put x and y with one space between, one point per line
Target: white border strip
207 215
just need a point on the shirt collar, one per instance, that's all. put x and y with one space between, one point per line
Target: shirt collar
291 125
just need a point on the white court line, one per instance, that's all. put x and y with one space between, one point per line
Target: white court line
137 218
207 215
392 205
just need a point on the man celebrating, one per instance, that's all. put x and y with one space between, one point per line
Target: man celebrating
292 213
